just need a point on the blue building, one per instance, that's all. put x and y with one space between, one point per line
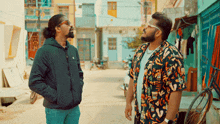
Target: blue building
208 21
119 21
103 26
85 29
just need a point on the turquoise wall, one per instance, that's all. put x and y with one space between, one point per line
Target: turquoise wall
125 50
172 37
190 60
208 19
204 4
122 50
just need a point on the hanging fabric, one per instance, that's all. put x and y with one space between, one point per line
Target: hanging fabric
180 32
183 48
216 56
190 41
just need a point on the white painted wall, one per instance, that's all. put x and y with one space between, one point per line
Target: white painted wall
179 3
12 14
1 52
106 35
128 13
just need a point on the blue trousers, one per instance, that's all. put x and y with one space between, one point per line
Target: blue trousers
58 116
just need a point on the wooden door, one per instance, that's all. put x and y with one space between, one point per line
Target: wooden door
33 44
84 50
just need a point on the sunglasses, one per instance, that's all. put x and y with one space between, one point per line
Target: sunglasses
150 26
67 22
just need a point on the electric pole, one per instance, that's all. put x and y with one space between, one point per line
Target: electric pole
145 10
39 27
74 24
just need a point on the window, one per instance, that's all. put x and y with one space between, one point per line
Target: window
112 44
31 3
112 9
29 12
88 10
47 11
64 10
112 6
44 2
34 3
12 49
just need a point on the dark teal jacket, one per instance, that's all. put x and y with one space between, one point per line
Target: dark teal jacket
57 76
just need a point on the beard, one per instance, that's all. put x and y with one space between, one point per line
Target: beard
70 34
149 39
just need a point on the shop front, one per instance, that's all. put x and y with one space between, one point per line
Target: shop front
209 41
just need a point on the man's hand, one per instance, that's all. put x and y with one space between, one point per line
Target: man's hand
128 112
129 99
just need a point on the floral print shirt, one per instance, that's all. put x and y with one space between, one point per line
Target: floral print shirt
164 73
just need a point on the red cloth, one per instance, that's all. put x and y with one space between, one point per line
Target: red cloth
180 32
216 56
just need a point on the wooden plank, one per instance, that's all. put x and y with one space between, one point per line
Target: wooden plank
13 77
5 82
10 92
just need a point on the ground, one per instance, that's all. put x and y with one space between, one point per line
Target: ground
102 103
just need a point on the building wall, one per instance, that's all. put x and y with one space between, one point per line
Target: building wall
87 18
208 20
179 3
85 1
12 30
119 25
12 13
204 4
121 46
128 13
161 4
153 10
174 13
87 33
85 24
68 3
191 7
31 22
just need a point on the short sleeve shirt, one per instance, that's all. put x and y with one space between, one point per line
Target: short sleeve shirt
164 73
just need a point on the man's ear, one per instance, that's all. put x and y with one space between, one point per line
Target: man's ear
158 33
58 29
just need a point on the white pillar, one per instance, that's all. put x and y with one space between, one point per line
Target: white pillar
97 43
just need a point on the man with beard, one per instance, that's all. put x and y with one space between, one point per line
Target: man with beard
156 76
56 73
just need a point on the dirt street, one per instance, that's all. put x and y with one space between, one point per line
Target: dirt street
103 102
